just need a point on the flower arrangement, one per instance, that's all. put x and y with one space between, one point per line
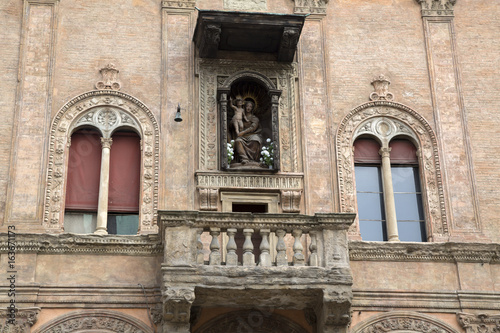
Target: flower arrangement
267 153
230 151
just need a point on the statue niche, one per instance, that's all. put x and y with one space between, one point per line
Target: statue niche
249 123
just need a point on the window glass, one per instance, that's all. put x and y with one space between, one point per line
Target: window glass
373 230
368 178
80 223
123 224
405 179
411 231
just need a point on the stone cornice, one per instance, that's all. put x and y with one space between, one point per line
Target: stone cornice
83 244
439 252
333 221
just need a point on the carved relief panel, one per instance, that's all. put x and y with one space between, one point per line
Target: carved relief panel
270 83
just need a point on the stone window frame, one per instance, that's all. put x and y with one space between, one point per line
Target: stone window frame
407 123
79 111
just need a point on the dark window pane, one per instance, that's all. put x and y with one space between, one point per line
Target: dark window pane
370 206
411 231
123 224
373 230
368 179
408 206
405 179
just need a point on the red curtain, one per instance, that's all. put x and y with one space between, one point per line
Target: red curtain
403 152
366 151
124 173
84 167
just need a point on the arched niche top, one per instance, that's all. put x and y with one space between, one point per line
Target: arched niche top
253 76
399 120
107 111
402 321
94 321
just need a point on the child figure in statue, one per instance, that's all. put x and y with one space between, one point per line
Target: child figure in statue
239 115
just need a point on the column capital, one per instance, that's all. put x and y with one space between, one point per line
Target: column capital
385 151
106 143
437 7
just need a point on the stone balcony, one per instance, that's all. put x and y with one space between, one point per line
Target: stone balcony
201 267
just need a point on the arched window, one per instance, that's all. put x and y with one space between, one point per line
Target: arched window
91 177
388 191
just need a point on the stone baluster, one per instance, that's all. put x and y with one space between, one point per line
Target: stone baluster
281 259
215 257
298 256
265 257
248 256
231 257
313 248
199 246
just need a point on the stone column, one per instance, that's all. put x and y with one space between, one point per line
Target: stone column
389 203
102 208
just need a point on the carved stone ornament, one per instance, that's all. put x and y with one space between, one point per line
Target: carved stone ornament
209 198
479 323
109 78
94 321
386 119
381 85
290 201
214 73
177 304
179 4
336 308
23 320
402 321
437 7
105 110
250 321
310 6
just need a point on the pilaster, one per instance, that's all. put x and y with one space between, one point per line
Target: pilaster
450 115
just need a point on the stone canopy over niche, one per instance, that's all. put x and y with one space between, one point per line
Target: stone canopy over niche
252 32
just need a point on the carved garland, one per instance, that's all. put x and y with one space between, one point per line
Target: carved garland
357 122
106 110
402 321
81 321
213 73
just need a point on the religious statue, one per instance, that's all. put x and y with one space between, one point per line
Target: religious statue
248 139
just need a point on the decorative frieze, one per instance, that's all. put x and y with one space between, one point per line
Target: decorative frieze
240 181
179 4
437 7
246 5
479 323
310 7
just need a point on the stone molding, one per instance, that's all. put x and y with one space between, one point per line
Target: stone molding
106 110
84 320
437 7
402 321
319 221
83 244
179 4
433 252
25 318
479 323
412 125
310 7
213 74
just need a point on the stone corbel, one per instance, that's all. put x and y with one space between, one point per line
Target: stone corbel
19 321
210 42
473 323
437 7
290 201
177 303
334 314
310 7
208 198
289 41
